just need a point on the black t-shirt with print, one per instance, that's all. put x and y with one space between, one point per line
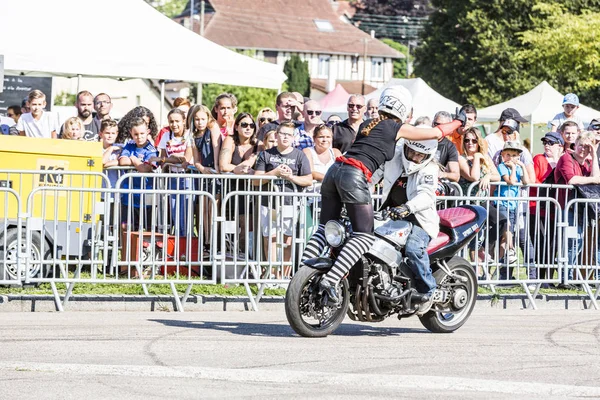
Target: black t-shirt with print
270 159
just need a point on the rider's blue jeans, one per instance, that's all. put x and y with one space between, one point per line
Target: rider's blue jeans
418 259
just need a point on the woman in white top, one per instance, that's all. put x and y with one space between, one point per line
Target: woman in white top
322 155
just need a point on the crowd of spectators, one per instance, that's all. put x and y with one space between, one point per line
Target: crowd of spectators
294 143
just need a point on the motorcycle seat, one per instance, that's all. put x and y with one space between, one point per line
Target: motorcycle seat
441 240
457 216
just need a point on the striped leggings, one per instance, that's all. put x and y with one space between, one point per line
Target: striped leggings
358 244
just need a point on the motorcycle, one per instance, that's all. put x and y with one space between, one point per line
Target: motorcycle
381 284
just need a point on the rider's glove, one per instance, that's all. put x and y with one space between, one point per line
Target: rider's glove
460 116
400 212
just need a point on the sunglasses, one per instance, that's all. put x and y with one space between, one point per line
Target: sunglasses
263 119
314 112
284 134
471 141
595 127
248 124
357 106
507 132
548 142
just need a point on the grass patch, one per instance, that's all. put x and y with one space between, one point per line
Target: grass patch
136 289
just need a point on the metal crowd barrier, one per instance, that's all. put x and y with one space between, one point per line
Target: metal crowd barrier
11 239
179 228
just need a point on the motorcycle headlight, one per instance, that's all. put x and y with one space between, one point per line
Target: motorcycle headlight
335 233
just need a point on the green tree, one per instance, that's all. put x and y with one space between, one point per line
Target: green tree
65 99
471 50
250 99
563 48
399 64
298 76
170 8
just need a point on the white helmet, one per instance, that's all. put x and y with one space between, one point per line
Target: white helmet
427 147
396 101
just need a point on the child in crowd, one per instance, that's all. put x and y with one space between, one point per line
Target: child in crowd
176 148
138 153
73 129
206 147
570 105
224 111
108 134
512 171
292 165
270 139
38 123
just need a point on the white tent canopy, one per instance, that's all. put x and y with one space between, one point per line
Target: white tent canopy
426 101
538 106
120 39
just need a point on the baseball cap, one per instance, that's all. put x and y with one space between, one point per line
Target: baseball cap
571 98
511 113
554 137
510 124
513 145
595 124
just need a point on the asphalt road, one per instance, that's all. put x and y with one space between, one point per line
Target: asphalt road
99 355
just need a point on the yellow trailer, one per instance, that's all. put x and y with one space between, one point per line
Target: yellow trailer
60 220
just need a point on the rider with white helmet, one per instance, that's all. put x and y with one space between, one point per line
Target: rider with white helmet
347 181
410 183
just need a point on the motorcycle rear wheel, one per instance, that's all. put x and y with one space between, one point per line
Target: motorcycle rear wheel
450 318
301 296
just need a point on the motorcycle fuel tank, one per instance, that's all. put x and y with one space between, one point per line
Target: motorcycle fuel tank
395 231
386 253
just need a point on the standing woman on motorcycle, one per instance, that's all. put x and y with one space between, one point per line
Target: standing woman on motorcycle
347 181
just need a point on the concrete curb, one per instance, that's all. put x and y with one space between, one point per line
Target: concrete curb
82 302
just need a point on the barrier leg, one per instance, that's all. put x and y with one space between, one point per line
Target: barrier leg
178 306
529 296
57 303
590 293
187 293
69 292
251 297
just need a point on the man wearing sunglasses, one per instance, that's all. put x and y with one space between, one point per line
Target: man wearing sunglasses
345 132
509 133
495 141
286 105
303 135
446 154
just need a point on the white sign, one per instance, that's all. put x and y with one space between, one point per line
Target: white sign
1 73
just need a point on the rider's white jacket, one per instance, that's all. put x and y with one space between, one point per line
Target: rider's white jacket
420 189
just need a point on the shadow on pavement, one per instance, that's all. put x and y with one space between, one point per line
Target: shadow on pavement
284 330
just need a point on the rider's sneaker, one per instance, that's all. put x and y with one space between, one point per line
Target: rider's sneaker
325 287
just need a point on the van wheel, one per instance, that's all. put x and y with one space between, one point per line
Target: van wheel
9 253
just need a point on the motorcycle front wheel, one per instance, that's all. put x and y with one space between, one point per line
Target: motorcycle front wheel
449 316
303 309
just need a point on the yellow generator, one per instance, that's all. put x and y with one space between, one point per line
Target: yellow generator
40 171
